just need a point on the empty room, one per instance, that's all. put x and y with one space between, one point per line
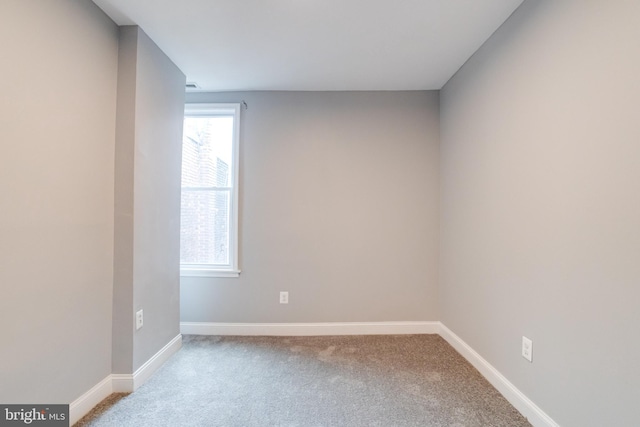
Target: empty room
306 213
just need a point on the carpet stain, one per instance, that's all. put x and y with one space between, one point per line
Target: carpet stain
325 355
433 376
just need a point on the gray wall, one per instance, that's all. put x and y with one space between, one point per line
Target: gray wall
57 132
158 157
123 320
147 209
338 195
540 211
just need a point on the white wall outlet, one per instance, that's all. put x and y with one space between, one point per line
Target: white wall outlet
284 297
139 319
527 348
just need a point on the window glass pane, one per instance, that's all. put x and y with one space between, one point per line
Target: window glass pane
204 227
206 151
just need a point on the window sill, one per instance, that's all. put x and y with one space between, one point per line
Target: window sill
207 272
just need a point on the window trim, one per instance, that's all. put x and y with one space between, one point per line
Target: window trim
231 270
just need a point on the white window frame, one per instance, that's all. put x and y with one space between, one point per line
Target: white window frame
210 270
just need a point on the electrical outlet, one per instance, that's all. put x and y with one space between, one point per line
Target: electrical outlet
139 319
284 297
527 348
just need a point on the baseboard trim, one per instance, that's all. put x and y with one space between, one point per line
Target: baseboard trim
144 372
536 416
122 383
309 329
130 382
85 403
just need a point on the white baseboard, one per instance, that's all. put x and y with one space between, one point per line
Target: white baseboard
85 403
309 329
131 382
144 372
121 383
128 383
536 416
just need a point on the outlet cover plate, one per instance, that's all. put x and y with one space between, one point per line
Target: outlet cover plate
139 319
527 348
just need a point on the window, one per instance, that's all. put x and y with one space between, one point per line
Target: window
209 206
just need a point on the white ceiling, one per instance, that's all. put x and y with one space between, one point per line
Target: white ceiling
315 44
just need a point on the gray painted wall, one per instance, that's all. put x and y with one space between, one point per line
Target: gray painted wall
540 210
338 195
539 205
57 132
147 209
158 162
123 257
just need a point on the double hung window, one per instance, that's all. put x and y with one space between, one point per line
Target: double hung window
209 205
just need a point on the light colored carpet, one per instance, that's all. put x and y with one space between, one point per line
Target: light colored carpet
390 380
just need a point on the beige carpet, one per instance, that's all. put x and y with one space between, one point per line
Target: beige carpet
397 380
